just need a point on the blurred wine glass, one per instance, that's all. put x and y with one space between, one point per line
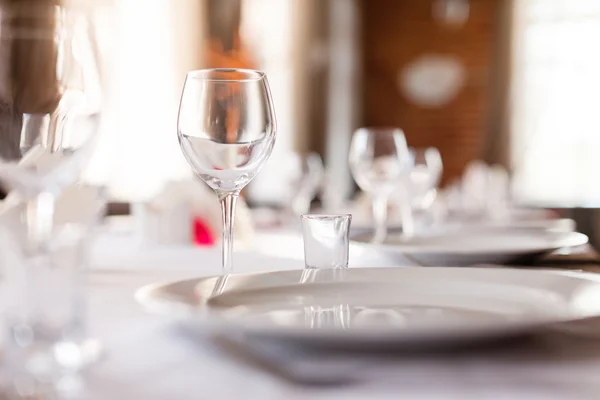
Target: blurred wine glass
50 107
307 183
424 176
473 190
379 159
50 96
498 200
226 130
418 192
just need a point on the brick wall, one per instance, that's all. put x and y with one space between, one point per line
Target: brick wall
395 32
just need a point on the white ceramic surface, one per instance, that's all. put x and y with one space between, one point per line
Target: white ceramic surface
462 224
556 224
515 218
470 247
379 307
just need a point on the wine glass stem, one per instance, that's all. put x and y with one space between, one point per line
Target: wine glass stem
39 219
380 204
228 201
406 214
300 204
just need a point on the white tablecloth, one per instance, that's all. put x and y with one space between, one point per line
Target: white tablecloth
149 357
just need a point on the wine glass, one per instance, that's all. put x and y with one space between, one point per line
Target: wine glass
226 129
419 190
379 159
424 176
306 185
50 96
50 107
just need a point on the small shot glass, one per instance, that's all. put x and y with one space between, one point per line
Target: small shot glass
326 240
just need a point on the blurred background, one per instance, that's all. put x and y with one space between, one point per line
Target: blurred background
509 82
466 129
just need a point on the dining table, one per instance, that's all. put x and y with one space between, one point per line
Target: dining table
158 357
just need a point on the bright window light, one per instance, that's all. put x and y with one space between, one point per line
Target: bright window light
138 150
555 126
267 29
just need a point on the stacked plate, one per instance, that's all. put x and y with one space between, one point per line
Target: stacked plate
500 245
447 246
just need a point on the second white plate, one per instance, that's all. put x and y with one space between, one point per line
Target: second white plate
470 247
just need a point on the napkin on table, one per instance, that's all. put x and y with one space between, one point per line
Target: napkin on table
168 218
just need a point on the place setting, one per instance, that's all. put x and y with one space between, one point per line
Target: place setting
405 218
260 232
328 324
436 228
427 299
328 304
440 302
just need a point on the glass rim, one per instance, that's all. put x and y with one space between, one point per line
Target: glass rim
326 216
253 75
380 129
423 150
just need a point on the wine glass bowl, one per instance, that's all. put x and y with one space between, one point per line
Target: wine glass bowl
378 159
50 95
226 126
226 129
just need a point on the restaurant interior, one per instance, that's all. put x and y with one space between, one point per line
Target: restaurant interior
299 199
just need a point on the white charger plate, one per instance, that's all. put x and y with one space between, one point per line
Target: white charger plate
361 308
470 247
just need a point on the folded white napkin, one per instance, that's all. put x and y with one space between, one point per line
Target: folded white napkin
167 218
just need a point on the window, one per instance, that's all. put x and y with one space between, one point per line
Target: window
555 109
149 47
268 30
146 51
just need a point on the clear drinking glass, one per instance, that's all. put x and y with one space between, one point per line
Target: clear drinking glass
326 240
226 129
379 159
47 346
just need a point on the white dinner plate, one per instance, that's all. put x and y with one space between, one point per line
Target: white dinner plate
470 247
457 224
556 224
516 218
359 308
